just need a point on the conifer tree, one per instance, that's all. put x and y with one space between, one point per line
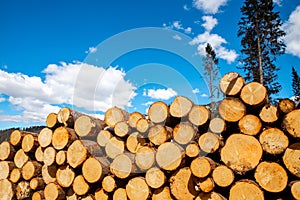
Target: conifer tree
295 82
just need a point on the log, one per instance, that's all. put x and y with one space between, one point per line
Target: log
100 194
16 137
63 137
231 109
145 158
49 173
169 156
109 184
5 168
158 112
94 168
201 167
250 125
295 189
291 159
254 94
192 150
134 142
223 176
246 189
87 126
61 157
210 196
206 184
71 194
209 142
88 197
143 125
269 114
133 118
80 186
23 190
291 123
115 115
155 178
54 192
122 129
31 169
76 154
184 133
137 189
271 176
93 148
159 134
65 176
15 175
20 158
114 147
7 190
217 125
30 142
286 106
103 137
231 84
235 154
180 107
7 151
273 141
162 194
52 121
68 116
37 183
49 156
199 115
38 195
120 194
122 166
182 184
39 154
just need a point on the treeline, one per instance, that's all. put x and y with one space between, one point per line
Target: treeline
4 134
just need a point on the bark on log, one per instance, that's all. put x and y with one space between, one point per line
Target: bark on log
61 157
20 158
223 176
184 133
54 192
145 158
23 190
235 154
134 142
87 126
291 159
80 186
158 112
286 105
137 189
93 148
273 141
45 137
49 156
30 142
271 176
39 154
65 176
115 115
122 129
38 195
103 137
269 114
169 156
162 194
246 189
231 84
201 167
68 116
7 190
49 173
114 147
16 137
182 184
209 142
180 107
5 168
94 168
250 125
291 123
199 115
232 109
217 125
159 134
192 150
15 175
254 94
7 151
31 169
133 118
63 137
120 194
37 183
109 183
155 178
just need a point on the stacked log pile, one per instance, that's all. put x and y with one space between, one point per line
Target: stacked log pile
250 149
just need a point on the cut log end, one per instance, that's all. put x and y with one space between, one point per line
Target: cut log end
247 189
291 123
254 94
45 137
115 115
155 178
295 189
209 142
137 189
53 191
159 134
223 176
217 125
7 151
232 109
273 141
122 129
192 150
145 158
51 120
250 125
29 143
180 107
269 114
286 105
158 112
133 118
162 194
121 166
80 186
184 133
7 189
87 126
120 194
65 176
109 184
76 154
92 170
103 137
20 158
201 167
169 156
291 159
31 169
199 115
231 84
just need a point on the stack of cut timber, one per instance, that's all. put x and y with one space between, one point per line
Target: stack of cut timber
249 150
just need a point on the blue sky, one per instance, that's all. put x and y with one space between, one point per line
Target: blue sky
93 54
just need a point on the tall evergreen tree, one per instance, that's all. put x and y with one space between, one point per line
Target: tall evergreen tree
295 82
262 42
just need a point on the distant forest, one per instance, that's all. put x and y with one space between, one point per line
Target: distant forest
4 134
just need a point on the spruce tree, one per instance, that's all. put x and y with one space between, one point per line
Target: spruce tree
262 42
295 82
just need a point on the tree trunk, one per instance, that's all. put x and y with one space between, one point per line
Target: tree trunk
246 189
223 176
254 94
231 84
209 142
273 141
155 178
137 189
87 126
250 125
158 112
180 107
7 151
65 176
54 192
45 137
232 109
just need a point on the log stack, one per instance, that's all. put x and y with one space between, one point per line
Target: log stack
249 150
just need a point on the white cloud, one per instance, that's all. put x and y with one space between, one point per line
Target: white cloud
148 103
2 99
162 94
91 50
292 38
188 30
278 2
209 22
177 37
204 95
93 88
177 25
196 91
209 7
185 7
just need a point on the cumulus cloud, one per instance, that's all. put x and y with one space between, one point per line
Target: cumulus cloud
71 83
204 95
177 25
161 94
209 7
196 91
216 41
91 50
185 7
292 38
177 37
148 103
